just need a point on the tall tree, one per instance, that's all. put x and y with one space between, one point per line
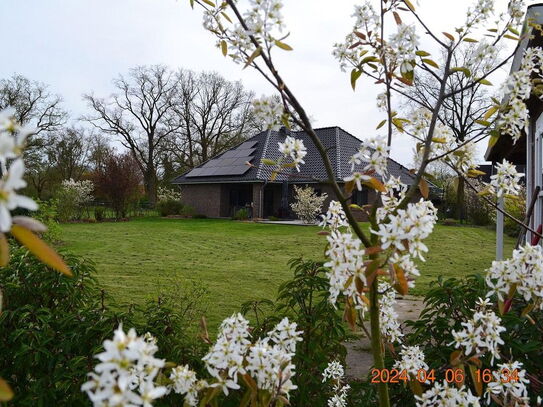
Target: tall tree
216 114
143 115
465 110
34 105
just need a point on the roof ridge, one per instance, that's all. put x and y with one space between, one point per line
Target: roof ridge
264 152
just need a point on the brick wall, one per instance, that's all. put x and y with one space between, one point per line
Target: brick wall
204 198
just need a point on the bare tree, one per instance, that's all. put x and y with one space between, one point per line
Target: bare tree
33 103
69 152
143 114
216 114
464 112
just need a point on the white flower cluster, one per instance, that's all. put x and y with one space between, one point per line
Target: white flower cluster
166 194
126 372
506 180
334 372
390 326
79 192
441 394
518 87
268 110
406 229
294 149
412 360
335 217
478 14
481 333
391 198
268 361
516 10
263 19
12 140
524 270
461 156
366 20
346 264
482 57
512 392
404 44
184 382
307 203
373 154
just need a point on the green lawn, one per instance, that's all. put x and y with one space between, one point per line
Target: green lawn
238 261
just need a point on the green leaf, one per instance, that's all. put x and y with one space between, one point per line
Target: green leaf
381 124
6 394
409 4
513 30
253 56
40 249
484 82
462 69
470 40
224 47
4 250
355 74
209 3
430 62
483 122
282 45
490 112
422 53
267 161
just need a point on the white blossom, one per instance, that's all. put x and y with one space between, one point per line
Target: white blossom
334 372
390 325
512 391
524 270
308 204
268 110
373 155
166 194
294 149
185 383
441 394
412 360
516 10
404 44
126 372
335 217
481 333
506 180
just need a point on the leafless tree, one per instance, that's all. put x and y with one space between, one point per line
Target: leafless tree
215 114
463 112
142 114
33 103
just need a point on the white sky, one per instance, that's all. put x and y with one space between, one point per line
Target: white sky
79 46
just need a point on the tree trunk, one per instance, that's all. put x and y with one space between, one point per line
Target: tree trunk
460 201
150 184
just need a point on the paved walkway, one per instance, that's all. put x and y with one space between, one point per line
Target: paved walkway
287 222
359 359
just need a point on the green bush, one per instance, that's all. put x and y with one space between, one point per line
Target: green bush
52 326
99 213
188 211
450 222
273 218
304 300
170 207
200 216
47 213
241 214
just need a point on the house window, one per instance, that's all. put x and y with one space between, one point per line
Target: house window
360 197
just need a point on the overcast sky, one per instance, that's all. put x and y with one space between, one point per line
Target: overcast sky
78 46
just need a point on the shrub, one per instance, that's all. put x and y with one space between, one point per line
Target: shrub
47 213
200 216
99 213
450 222
188 211
72 197
169 207
273 218
304 300
516 206
166 194
54 325
308 204
241 214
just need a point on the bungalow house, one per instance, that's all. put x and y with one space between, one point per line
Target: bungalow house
527 151
225 183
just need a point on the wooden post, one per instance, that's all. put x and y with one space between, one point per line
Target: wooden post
499 230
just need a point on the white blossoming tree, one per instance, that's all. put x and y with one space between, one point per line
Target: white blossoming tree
307 205
367 268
